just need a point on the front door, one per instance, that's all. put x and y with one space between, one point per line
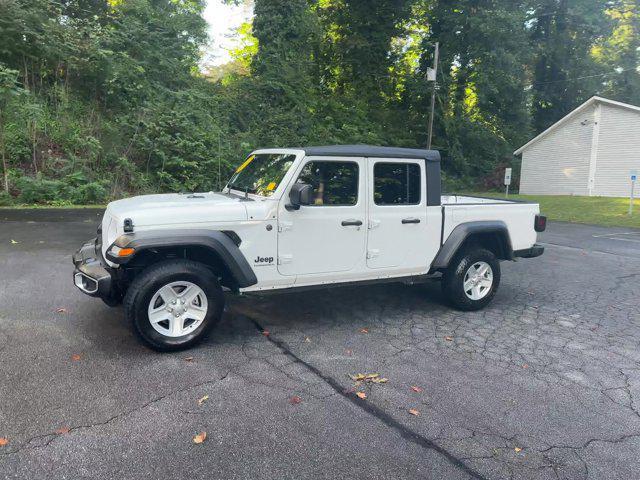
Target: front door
397 235
330 235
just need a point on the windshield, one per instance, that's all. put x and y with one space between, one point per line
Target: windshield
261 174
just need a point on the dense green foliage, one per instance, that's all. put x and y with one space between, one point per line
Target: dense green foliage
105 98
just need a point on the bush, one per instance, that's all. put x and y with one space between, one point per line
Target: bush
39 190
90 193
6 200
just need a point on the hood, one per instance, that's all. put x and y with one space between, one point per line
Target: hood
177 208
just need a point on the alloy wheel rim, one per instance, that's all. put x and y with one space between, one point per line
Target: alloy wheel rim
478 281
177 309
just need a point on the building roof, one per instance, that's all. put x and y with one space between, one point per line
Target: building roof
372 151
573 113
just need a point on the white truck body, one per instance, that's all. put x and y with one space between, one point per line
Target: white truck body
310 246
294 218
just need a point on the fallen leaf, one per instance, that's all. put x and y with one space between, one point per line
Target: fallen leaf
3 441
448 338
188 359
360 378
62 430
525 366
364 330
414 412
518 449
61 310
265 333
75 357
199 438
416 389
203 399
348 352
13 242
307 340
361 395
363 376
295 400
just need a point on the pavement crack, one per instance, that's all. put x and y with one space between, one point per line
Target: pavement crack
50 437
586 444
368 407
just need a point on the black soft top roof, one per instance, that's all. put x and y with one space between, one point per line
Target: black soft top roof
372 151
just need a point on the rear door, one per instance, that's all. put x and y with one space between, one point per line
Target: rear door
330 235
397 223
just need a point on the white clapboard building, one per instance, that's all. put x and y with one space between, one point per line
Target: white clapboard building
591 151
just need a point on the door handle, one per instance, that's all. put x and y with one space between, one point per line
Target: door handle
410 220
351 223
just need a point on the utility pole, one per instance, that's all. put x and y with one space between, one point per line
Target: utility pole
432 74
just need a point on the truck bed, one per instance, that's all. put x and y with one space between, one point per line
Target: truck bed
517 215
467 200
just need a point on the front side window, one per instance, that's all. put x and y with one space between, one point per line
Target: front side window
396 183
334 183
261 174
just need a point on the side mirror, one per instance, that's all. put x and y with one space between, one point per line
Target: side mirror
300 194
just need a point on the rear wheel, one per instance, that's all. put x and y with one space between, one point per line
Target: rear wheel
472 279
174 304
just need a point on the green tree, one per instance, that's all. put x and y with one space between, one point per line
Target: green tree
619 52
9 88
286 96
481 108
564 73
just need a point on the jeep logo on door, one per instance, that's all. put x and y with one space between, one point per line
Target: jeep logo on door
263 260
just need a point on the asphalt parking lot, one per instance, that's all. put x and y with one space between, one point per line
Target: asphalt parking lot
545 383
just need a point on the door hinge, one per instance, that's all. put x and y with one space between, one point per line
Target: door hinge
373 224
373 253
282 259
284 226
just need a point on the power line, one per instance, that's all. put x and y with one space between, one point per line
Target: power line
617 72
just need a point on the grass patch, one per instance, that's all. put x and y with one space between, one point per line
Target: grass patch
605 211
48 207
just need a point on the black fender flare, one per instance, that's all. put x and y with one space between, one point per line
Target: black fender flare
465 230
215 241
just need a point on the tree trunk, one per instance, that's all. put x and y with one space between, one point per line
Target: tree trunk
5 169
33 149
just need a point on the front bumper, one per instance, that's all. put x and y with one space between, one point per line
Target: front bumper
91 275
532 252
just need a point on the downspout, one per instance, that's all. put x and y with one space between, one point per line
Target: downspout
595 138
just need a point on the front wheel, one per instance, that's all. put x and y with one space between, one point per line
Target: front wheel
472 279
174 304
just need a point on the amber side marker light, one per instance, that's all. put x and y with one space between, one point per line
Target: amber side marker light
122 252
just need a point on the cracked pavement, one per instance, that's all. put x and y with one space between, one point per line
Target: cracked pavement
544 383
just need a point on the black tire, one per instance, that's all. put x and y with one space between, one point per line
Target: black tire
147 283
453 278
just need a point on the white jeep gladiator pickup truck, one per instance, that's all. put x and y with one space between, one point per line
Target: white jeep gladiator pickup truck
294 218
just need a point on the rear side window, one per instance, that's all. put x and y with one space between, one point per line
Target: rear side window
396 183
334 183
